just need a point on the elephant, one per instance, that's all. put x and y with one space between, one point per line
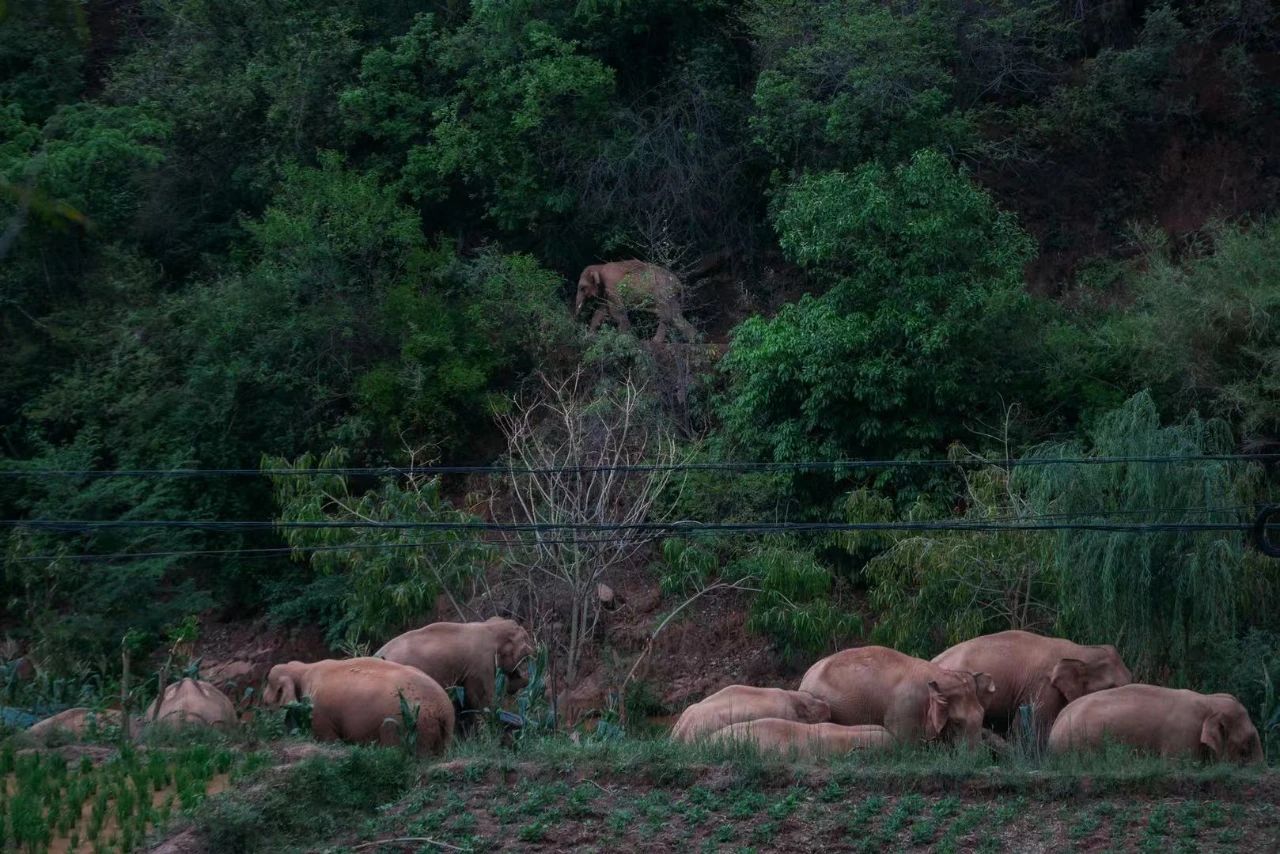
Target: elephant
73 722
812 740
1164 721
738 703
192 701
639 284
465 654
915 700
1029 669
358 700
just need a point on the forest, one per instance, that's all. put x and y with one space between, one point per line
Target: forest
298 245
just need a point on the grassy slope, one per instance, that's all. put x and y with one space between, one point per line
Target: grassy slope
651 795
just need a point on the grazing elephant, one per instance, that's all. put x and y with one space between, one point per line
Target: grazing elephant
634 283
466 654
192 701
914 699
1030 669
739 703
821 739
1164 721
358 700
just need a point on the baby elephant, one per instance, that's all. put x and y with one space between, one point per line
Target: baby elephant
1164 721
811 740
358 700
192 702
739 703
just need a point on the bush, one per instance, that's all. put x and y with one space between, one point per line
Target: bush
925 296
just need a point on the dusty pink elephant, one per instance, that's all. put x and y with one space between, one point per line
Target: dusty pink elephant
358 700
913 699
811 740
738 703
1029 669
1163 721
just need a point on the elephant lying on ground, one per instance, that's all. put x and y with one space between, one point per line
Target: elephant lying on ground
634 284
914 699
192 701
738 703
358 700
73 723
1163 721
466 654
812 740
1046 673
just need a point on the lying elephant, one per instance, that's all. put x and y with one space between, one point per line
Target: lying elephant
358 700
1030 669
913 699
1164 721
192 701
466 654
812 740
636 284
739 703
73 722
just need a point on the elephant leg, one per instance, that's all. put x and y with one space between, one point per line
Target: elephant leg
685 327
389 733
660 334
620 316
598 318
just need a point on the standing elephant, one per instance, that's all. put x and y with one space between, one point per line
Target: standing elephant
914 699
634 283
1164 721
812 740
739 703
192 701
466 654
1030 669
358 700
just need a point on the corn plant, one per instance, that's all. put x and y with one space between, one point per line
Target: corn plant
408 725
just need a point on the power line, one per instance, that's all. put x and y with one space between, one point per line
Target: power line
82 526
274 551
762 467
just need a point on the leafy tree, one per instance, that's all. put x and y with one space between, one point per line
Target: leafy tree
42 47
1201 332
934 589
1162 598
856 80
384 580
925 295
484 111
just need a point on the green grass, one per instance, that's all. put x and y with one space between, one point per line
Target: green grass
616 794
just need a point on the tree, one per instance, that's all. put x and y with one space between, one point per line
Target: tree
576 460
388 579
924 304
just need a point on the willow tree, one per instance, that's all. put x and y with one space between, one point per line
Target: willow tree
1162 597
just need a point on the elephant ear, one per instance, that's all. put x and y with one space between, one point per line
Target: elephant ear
1213 733
936 715
1068 678
597 281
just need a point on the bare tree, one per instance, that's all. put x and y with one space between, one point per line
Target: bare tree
580 460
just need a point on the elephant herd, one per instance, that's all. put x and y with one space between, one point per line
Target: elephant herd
1075 698
361 700
1065 695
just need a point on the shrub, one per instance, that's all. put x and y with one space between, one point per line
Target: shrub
925 295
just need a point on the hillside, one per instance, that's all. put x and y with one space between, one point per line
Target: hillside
702 338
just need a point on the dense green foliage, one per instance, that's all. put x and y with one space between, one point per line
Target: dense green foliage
321 231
